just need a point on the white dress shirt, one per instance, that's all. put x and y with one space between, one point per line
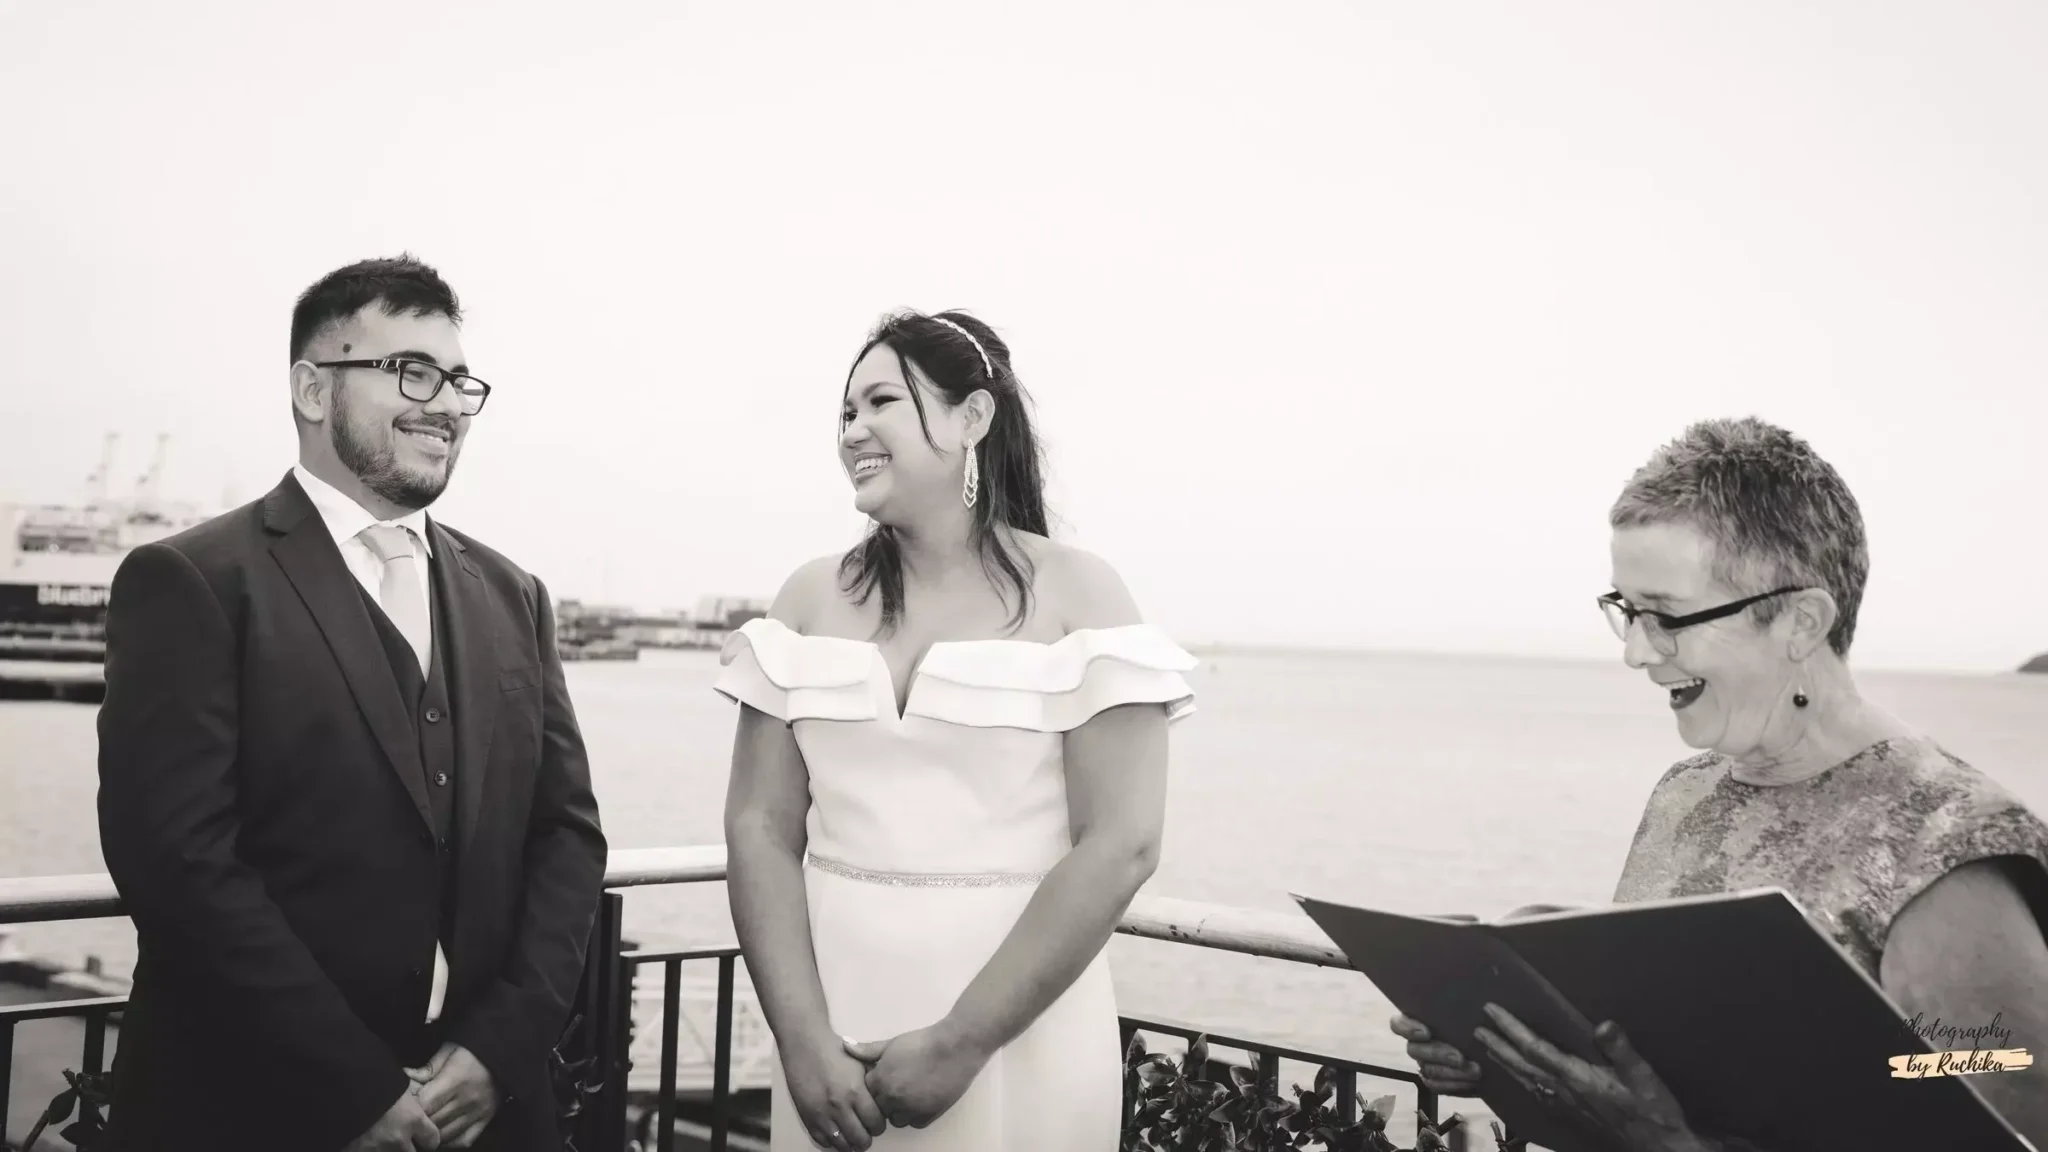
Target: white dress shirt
345 520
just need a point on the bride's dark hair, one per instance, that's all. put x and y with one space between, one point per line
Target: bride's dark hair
1010 457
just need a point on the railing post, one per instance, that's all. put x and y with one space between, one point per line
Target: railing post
671 1014
6 1070
603 1128
95 1043
1129 1032
721 1058
624 977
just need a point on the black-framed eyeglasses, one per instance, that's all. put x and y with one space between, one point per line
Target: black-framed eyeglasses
420 381
1658 627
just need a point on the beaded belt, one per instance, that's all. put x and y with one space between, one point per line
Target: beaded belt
926 879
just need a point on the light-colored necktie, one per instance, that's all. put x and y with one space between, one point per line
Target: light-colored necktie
399 594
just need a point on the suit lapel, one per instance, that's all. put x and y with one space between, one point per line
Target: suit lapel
471 664
313 564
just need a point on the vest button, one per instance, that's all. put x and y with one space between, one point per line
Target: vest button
433 715
441 778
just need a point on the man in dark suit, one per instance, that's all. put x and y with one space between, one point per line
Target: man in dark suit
342 789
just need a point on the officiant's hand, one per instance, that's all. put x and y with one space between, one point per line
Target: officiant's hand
915 1077
1622 1095
1445 1070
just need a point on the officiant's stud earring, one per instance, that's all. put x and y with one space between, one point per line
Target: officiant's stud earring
970 486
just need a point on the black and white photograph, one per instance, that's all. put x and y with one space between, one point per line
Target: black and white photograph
899 576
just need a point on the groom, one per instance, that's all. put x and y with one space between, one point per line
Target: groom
342 789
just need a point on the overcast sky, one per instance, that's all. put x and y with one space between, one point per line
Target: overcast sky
1345 321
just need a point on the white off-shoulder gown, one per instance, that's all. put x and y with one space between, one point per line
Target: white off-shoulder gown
928 833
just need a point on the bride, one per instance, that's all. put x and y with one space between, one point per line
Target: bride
948 781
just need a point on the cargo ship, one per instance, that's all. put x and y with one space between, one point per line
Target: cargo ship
57 564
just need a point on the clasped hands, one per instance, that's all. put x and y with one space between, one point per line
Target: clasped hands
448 1104
852 1092
1621 1096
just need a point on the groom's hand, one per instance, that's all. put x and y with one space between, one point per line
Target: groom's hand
458 1095
404 1127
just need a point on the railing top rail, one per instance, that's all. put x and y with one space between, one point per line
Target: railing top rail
1254 932
87 896
1277 935
637 956
25 899
634 867
53 1009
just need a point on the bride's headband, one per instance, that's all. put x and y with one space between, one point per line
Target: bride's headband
985 365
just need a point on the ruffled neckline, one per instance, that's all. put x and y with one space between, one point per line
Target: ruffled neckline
969 676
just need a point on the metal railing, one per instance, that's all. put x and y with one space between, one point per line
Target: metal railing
594 1059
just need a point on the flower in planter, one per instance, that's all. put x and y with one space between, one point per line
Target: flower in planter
87 1094
1174 1107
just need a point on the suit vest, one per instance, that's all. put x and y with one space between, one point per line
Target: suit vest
426 701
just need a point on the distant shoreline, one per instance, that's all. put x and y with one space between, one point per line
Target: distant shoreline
1447 655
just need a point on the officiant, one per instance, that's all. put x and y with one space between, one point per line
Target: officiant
1739 564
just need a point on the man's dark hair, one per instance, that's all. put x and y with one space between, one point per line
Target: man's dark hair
401 284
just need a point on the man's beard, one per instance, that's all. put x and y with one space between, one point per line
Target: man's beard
377 465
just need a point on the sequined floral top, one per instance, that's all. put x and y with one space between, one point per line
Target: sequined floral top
1852 845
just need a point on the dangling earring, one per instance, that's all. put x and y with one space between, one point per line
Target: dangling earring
1799 699
970 487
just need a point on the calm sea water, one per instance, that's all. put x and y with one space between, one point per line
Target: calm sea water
1431 784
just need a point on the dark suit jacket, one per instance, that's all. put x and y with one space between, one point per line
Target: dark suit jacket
264 814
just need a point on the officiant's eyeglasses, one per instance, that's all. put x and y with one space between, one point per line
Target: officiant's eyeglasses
420 381
1659 626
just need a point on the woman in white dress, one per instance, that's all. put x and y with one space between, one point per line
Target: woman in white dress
948 782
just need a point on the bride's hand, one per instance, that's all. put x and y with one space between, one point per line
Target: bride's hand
829 1089
915 1077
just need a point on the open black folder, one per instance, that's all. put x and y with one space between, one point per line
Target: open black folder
1762 1026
